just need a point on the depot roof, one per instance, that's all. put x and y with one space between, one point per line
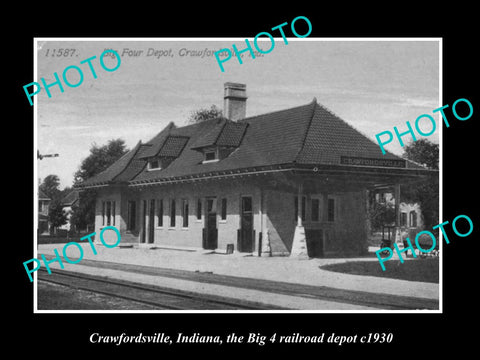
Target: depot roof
306 135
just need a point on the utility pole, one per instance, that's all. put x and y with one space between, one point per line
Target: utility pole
40 157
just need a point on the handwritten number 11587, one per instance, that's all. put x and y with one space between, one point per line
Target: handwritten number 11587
60 52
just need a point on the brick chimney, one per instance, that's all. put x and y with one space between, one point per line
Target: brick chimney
235 101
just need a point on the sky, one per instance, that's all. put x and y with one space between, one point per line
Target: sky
373 85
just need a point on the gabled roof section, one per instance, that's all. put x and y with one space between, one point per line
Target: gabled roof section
329 138
209 138
136 165
158 141
232 134
173 146
277 137
225 133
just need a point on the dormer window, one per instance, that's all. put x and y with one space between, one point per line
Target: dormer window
210 156
154 165
160 156
222 139
159 163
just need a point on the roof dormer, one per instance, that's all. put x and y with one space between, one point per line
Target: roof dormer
158 163
170 148
221 141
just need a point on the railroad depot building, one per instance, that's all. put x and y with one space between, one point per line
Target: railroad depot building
295 181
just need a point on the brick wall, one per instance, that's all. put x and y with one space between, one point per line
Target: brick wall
179 235
346 235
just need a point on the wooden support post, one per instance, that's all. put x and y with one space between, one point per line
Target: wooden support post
299 243
397 205
398 238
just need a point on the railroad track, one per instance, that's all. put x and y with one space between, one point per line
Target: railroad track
362 298
162 298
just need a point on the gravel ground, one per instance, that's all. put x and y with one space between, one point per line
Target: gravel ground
58 297
270 268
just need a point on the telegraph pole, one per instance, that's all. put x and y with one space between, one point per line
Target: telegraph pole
40 157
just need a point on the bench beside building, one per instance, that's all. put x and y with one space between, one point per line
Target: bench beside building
289 182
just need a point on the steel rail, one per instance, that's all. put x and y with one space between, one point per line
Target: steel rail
198 300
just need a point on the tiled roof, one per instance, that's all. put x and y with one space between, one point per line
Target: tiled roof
158 141
136 165
329 137
209 138
225 133
270 139
304 135
232 134
122 170
173 146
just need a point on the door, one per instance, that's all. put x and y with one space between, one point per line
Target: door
144 221
210 230
314 238
151 222
246 238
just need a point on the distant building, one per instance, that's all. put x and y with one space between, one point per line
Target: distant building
294 181
68 201
410 213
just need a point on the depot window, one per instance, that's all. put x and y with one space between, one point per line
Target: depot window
160 213
315 211
223 213
185 213
131 215
108 213
331 210
172 213
199 209
413 218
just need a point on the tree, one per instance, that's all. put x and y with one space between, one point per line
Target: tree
82 214
100 158
381 214
204 114
50 185
423 152
427 192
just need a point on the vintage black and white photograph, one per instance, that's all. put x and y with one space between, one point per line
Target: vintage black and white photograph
173 175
